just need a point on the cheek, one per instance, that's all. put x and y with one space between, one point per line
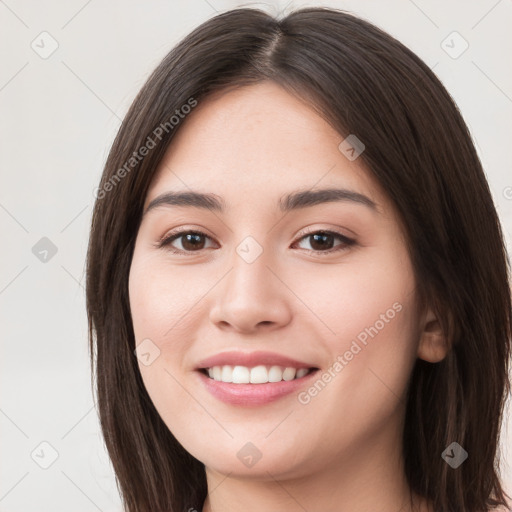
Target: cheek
377 350
160 300
370 298
372 333
375 345
161 304
164 306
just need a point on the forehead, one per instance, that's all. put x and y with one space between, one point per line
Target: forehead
258 141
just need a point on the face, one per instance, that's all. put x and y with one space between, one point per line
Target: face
327 283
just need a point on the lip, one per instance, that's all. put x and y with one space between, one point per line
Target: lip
253 394
251 359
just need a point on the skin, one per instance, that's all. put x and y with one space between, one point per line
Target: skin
251 146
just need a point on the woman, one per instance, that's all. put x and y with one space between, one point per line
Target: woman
297 282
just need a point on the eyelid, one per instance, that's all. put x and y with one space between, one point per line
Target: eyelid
334 231
182 229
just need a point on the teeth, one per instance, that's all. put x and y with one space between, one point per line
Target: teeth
302 372
227 374
256 375
240 374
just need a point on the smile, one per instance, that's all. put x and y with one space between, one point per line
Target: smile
242 392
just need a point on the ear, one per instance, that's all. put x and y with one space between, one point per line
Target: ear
433 345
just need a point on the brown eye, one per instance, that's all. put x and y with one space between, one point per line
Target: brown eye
322 242
191 241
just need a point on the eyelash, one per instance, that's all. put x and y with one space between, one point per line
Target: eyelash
347 242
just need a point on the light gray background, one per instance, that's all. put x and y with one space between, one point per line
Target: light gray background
59 117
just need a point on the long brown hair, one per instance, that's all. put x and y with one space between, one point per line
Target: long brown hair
417 147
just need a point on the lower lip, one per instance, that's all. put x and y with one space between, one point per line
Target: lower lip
253 394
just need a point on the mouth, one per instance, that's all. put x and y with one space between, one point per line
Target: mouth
256 386
253 378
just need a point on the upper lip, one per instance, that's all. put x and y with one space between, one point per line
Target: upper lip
251 359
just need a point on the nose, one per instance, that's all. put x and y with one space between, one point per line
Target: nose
252 297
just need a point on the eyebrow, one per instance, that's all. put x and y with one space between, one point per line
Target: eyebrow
292 201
